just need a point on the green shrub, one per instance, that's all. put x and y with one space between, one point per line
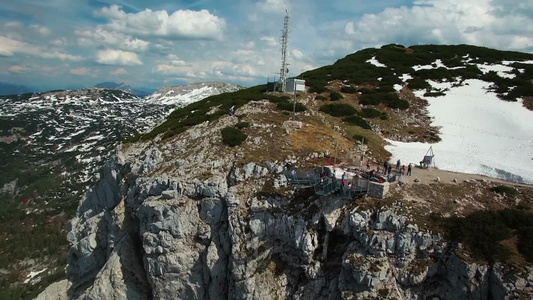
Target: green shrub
348 90
357 121
525 242
232 136
369 113
317 89
242 125
360 138
366 91
434 94
386 89
288 106
482 232
418 83
392 100
335 96
320 97
369 99
384 116
338 110
503 189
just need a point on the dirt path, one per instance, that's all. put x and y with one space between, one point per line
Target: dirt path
430 175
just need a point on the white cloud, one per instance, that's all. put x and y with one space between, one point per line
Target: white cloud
297 54
80 71
111 38
9 46
444 22
270 41
181 24
172 69
60 42
273 6
118 72
117 57
40 29
224 68
349 28
18 69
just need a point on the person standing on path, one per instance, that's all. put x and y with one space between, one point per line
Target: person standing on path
398 165
344 179
409 170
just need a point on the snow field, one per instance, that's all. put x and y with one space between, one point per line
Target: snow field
480 133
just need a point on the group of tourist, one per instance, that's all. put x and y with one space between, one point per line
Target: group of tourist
387 170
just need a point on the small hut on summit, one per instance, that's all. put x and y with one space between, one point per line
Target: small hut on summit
294 84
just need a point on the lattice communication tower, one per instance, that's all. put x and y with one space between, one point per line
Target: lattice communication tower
284 47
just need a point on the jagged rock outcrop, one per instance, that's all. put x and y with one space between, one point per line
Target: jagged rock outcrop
177 220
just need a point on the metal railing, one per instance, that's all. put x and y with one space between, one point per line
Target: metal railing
327 185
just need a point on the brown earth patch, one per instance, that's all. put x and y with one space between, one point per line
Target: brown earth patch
527 102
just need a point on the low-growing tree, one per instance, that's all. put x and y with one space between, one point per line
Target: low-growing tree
335 96
289 106
232 136
348 90
338 110
369 113
357 121
242 125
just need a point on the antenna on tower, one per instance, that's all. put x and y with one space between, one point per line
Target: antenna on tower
284 47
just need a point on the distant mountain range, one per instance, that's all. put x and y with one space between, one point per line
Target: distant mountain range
53 144
122 86
12 89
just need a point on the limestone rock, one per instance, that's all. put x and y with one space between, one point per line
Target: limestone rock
163 223
55 291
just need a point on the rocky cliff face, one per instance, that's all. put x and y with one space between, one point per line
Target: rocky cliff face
177 220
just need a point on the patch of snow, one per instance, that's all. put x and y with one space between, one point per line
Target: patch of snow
405 77
95 137
77 133
375 62
439 64
397 87
508 62
33 274
502 70
480 134
420 67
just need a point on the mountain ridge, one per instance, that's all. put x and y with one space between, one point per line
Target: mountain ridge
213 201
122 86
12 89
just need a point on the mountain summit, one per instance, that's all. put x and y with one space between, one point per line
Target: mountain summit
204 206
183 95
123 87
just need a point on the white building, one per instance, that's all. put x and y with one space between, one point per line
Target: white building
295 84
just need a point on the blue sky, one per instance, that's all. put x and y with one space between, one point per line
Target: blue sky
52 44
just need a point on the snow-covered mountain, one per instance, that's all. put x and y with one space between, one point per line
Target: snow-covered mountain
88 123
51 148
123 87
186 94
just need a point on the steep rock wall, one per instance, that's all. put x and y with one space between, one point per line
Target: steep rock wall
177 238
